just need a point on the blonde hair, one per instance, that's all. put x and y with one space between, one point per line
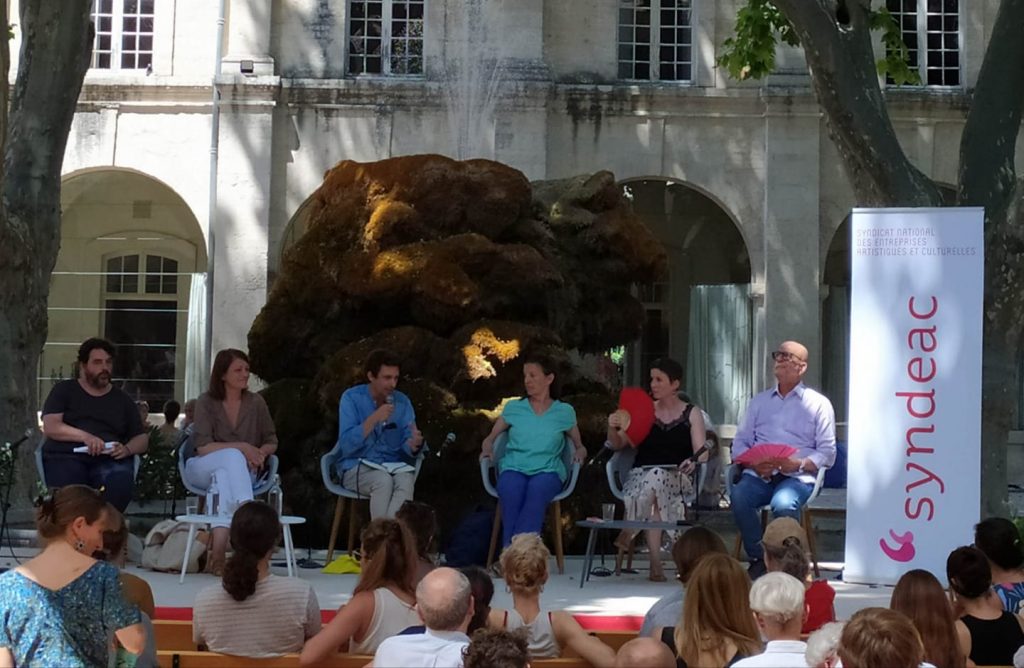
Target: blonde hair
716 610
524 563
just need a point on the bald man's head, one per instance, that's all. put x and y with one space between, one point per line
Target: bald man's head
645 653
444 600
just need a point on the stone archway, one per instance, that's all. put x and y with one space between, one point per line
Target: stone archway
701 315
131 268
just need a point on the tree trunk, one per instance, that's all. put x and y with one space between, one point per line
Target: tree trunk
55 51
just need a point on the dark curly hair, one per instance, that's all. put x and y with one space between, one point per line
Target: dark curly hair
968 572
497 648
254 531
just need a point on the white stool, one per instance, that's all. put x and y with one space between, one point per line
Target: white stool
194 521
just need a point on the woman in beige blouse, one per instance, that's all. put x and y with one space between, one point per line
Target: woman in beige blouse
232 437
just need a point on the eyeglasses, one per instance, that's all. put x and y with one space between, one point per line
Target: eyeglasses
783 356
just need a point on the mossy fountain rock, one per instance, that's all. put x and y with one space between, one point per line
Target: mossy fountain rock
462 268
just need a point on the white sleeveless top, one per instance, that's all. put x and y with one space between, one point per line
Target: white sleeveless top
540 637
391 615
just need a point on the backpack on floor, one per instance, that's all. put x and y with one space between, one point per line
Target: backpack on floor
165 547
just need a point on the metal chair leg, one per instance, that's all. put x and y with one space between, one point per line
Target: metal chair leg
339 510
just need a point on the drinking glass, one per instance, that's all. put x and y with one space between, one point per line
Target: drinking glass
192 505
608 512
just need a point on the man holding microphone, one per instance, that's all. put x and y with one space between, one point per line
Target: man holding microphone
378 438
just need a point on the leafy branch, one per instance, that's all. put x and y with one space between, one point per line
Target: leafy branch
750 53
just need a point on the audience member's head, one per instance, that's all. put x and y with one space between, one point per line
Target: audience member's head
969 573
823 645
77 514
171 411
254 532
143 407
920 597
999 539
422 522
497 648
880 637
115 538
388 556
777 600
645 653
785 548
716 609
190 413
524 564
691 547
483 591
444 600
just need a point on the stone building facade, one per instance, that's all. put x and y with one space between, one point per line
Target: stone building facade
739 180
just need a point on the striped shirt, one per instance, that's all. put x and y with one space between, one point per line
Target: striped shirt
275 620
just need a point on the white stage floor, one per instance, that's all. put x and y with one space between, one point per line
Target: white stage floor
624 595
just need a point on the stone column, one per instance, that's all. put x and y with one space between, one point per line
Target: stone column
248 31
243 213
792 230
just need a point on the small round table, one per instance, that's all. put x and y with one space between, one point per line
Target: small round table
194 521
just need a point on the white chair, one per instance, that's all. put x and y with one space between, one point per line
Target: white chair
805 517
40 469
334 485
489 475
262 486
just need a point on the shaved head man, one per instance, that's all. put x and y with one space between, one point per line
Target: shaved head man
645 653
444 602
790 414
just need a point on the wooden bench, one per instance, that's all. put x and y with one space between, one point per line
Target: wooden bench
185 659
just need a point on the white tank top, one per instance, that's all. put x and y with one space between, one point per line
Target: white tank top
391 615
540 637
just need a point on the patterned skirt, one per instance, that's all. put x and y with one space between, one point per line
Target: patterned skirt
668 486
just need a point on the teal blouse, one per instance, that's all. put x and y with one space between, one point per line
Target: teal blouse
535 442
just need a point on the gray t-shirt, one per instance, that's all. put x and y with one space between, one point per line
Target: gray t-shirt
666 611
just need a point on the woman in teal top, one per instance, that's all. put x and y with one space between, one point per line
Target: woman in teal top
531 472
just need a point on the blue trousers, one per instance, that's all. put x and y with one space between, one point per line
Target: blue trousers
115 477
785 495
524 499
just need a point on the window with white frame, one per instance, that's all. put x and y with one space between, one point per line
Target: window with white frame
931 31
656 40
385 37
124 34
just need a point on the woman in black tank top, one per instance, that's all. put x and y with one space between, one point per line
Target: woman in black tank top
989 635
660 478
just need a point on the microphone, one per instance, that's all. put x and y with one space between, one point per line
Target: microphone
24 437
448 440
390 401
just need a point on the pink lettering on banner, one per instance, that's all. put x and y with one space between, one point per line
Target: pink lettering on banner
920 405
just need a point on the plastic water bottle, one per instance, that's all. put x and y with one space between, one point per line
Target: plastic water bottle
275 497
213 498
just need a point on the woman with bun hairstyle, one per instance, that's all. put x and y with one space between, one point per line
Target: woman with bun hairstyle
63 607
383 602
280 613
999 539
989 635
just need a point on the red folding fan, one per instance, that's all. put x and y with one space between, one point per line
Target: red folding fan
763 452
639 406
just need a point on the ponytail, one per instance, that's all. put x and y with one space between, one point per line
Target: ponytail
254 531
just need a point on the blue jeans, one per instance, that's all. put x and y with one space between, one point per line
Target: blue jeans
115 477
785 495
524 499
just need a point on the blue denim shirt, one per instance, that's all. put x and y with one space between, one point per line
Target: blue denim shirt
385 443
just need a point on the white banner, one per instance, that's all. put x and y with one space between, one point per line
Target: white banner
913 490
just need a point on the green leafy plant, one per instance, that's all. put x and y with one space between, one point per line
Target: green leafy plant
750 53
158 471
